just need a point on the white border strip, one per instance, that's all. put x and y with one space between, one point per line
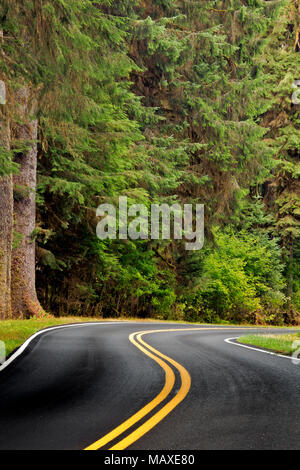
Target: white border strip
22 348
230 341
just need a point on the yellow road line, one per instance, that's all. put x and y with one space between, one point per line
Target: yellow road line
169 384
161 414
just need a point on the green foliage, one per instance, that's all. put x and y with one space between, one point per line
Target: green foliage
7 166
161 101
241 278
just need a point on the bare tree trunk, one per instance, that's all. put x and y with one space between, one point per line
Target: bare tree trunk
6 219
24 298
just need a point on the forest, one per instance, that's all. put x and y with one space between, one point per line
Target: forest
161 101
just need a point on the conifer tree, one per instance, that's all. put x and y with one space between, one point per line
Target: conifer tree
24 298
282 188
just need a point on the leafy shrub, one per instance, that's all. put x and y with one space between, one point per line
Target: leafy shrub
241 277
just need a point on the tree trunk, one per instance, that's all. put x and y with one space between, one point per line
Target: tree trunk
6 221
24 299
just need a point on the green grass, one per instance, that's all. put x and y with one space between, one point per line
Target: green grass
279 343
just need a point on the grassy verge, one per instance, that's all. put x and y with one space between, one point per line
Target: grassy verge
282 344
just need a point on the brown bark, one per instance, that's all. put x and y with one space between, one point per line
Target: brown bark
6 223
24 299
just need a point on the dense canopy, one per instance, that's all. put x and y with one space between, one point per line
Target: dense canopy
162 101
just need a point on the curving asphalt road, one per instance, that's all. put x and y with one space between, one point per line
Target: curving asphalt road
102 386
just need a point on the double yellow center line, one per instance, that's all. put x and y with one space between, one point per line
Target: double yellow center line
159 358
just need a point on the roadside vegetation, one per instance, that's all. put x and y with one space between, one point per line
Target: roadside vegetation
283 344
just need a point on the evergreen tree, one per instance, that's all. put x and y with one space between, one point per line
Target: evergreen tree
282 189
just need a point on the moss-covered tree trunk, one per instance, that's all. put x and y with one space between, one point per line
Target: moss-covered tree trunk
24 298
6 220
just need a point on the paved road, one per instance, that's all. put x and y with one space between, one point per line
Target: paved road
183 389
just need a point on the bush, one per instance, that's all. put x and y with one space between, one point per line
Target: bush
241 277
